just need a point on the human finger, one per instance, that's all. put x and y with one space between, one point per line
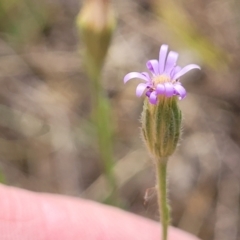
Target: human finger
26 215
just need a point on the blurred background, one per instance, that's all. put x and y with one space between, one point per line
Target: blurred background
47 139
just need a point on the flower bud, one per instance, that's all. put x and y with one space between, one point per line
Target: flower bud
161 126
96 24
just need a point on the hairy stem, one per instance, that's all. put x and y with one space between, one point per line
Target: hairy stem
162 195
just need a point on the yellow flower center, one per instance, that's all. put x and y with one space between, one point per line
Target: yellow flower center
160 79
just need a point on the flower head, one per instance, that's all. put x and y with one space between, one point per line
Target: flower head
164 79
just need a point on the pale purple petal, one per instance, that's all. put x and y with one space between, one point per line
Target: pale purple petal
131 75
169 90
160 89
185 70
180 91
141 87
175 71
148 93
152 66
166 67
162 57
153 98
147 76
171 62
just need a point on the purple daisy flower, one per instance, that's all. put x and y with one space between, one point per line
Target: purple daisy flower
164 79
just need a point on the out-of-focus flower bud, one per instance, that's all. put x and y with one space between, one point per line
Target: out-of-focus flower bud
96 23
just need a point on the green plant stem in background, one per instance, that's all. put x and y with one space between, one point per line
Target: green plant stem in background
162 195
96 23
101 115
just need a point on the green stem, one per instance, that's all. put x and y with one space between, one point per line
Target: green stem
104 131
101 115
162 195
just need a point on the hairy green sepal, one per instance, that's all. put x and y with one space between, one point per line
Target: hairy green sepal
161 126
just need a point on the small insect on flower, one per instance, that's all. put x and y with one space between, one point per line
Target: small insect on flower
165 77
